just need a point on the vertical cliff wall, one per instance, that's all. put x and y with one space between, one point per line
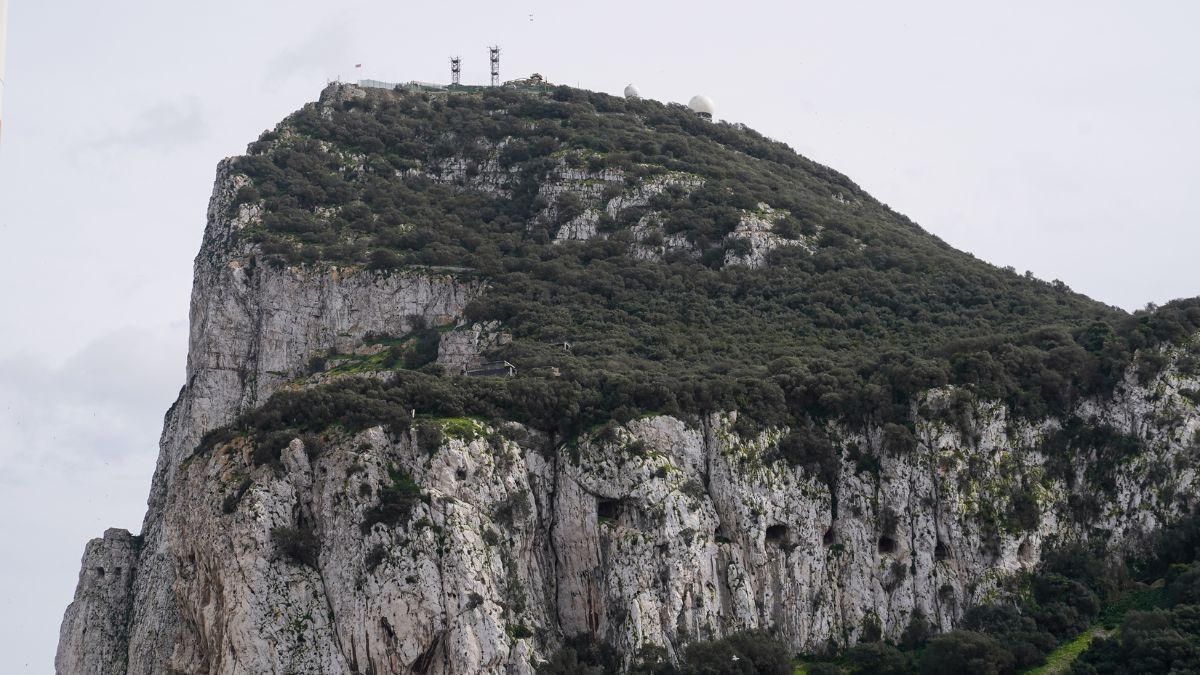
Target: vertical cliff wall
253 328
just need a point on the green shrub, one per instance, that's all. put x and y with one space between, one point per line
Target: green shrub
917 632
810 448
965 652
518 631
877 658
755 651
513 510
430 436
375 557
234 498
397 499
299 545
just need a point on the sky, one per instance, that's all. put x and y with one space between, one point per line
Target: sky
1057 137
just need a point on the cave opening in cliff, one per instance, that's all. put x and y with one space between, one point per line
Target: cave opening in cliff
777 535
940 552
608 509
887 544
830 537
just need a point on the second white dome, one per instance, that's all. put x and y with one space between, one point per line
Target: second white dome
702 104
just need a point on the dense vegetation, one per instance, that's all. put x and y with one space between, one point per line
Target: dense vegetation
879 311
747 653
1075 591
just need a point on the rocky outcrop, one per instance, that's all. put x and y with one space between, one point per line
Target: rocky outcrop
755 237
94 636
658 532
254 327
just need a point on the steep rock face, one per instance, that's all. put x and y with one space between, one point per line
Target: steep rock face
253 328
657 532
94 637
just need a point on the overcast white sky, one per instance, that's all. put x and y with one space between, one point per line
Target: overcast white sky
1058 137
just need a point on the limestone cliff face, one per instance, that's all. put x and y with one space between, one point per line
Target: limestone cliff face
253 328
659 531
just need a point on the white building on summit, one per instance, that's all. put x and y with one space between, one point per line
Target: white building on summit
702 106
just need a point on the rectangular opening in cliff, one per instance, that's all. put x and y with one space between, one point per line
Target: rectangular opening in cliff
608 510
778 535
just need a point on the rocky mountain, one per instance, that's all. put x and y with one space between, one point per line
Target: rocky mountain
735 392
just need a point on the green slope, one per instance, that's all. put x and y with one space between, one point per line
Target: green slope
853 314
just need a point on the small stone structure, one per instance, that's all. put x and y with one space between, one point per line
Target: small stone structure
491 369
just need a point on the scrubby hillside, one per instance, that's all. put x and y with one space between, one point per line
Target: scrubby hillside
691 266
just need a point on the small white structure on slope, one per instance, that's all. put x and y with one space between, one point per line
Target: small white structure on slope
631 92
702 106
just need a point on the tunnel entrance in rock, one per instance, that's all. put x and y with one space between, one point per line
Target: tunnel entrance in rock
830 537
941 552
777 535
887 544
608 509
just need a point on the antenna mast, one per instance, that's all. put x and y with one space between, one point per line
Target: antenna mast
494 54
455 70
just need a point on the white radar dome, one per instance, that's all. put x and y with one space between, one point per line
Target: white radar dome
702 105
632 92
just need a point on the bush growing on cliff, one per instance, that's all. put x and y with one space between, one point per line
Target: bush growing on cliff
749 652
234 498
753 651
966 652
877 658
917 632
810 448
300 545
396 501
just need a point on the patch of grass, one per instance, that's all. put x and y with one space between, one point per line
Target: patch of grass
1060 660
463 428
